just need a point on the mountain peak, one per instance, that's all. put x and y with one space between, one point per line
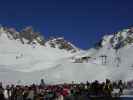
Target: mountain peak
29 36
117 40
61 43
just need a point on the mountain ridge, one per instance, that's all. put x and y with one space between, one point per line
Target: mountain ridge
29 36
59 61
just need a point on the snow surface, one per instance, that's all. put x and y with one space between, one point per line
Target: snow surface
28 63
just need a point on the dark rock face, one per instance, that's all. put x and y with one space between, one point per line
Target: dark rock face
122 39
13 32
61 43
27 33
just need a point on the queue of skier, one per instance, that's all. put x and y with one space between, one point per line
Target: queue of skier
82 91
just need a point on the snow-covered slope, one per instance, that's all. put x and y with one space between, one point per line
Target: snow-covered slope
25 57
115 52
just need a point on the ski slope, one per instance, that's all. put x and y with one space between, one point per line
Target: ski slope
28 63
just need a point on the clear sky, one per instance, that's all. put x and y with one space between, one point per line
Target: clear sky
83 22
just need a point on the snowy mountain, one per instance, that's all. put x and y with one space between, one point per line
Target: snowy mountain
115 53
26 57
61 43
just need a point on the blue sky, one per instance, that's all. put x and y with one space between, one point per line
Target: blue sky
83 22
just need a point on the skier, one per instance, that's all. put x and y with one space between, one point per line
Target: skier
1 92
121 87
108 88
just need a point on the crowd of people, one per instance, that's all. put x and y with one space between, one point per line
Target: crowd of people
82 91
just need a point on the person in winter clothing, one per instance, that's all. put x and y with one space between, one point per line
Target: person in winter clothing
108 88
121 87
1 92
31 94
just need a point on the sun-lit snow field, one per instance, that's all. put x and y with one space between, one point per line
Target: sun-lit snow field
26 63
